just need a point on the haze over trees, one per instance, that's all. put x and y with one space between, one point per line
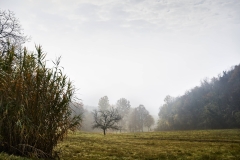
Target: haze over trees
103 103
214 104
37 105
123 107
149 121
138 119
121 116
87 119
77 110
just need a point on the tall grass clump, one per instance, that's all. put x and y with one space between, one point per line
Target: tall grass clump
34 104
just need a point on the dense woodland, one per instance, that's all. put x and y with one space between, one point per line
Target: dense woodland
214 104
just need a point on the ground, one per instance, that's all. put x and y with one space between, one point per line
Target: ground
202 145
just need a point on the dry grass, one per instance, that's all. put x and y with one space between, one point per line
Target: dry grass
202 145
208 144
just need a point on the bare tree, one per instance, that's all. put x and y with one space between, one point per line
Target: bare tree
106 119
10 31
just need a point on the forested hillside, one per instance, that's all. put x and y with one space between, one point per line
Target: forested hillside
214 104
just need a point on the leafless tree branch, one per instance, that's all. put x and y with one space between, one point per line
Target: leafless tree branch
10 31
106 119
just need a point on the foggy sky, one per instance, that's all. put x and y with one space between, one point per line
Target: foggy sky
141 50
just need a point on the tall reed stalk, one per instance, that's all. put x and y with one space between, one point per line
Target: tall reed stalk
34 104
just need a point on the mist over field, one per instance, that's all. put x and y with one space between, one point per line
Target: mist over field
122 79
140 50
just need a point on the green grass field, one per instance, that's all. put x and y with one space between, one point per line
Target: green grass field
204 144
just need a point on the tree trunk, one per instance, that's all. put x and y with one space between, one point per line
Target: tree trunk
104 132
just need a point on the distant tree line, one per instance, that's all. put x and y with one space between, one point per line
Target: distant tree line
215 104
119 117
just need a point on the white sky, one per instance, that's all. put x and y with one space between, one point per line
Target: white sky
141 50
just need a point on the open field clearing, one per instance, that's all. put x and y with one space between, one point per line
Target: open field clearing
208 144
204 144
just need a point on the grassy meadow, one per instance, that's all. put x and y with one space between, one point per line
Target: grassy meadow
202 145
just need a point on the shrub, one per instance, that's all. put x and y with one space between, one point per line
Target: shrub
34 104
